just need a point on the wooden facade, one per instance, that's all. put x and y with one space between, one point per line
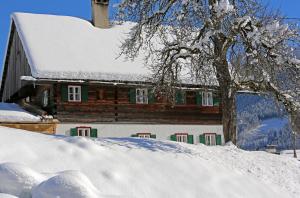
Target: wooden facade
101 102
104 103
15 66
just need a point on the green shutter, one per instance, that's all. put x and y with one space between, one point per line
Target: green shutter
94 133
219 139
173 138
190 139
151 96
84 93
199 98
73 132
132 96
134 135
202 139
216 101
153 136
180 97
64 93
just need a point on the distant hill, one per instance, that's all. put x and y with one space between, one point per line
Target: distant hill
261 121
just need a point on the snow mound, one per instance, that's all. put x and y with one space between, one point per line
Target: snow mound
2 195
141 168
67 184
10 112
18 180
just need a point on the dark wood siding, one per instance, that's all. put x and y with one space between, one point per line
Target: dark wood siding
15 66
112 104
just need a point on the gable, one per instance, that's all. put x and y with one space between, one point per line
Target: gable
15 66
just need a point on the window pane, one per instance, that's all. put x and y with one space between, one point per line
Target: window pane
71 97
79 132
70 89
77 97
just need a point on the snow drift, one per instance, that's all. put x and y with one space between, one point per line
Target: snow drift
128 167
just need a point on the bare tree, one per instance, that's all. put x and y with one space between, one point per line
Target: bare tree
196 39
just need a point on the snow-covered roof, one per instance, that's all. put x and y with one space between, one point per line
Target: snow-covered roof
10 112
64 47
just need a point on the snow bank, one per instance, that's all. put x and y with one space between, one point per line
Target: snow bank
2 195
290 153
67 184
10 112
132 168
18 180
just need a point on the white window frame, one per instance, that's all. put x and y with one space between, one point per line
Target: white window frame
144 135
182 138
210 139
45 98
85 131
73 93
141 99
207 99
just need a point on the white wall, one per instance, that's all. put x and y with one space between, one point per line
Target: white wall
162 131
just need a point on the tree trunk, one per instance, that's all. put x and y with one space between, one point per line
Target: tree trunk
293 120
229 117
228 94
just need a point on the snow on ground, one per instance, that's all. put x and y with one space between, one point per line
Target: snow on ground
10 112
128 168
290 153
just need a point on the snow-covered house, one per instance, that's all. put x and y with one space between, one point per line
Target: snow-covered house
68 67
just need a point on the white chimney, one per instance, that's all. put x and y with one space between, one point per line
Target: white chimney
100 13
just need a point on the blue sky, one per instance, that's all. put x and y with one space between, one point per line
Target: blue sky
81 8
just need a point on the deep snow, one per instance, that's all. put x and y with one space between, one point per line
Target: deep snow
48 166
10 112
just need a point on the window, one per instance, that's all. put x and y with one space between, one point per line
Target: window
207 99
74 93
210 139
182 138
141 96
45 98
84 131
144 135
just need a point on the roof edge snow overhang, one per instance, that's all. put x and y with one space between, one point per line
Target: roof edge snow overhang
113 82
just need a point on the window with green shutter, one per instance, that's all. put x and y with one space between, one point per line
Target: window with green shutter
173 138
134 135
219 139
64 93
216 101
190 139
153 136
199 98
180 97
151 96
94 133
84 93
73 132
132 96
202 138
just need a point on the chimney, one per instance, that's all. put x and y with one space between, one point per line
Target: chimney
100 13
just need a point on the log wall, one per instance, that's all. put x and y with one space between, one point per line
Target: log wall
112 104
